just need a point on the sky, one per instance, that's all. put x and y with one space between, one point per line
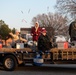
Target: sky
19 13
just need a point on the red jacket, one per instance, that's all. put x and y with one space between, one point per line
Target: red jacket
35 33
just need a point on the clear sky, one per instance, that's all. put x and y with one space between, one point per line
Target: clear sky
19 13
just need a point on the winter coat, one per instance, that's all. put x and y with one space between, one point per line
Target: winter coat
35 34
44 43
72 29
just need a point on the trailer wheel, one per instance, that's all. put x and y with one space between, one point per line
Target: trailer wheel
9 63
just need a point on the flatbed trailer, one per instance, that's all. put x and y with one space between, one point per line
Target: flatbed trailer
10 58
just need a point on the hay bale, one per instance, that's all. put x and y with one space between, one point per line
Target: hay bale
14 49
65 50
7 50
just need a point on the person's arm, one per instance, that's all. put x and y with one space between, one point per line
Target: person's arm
32 31
22 39
12 34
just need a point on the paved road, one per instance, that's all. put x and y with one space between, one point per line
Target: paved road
44 70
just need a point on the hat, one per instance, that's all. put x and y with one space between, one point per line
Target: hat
44 30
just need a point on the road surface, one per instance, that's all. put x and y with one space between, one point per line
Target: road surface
44 70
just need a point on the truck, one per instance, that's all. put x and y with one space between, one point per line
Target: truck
11 58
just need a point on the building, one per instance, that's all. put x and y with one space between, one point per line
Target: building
25 33
25 30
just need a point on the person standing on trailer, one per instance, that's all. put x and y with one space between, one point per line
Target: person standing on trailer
44 44
35 32
72 31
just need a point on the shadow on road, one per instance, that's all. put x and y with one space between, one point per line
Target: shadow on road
46 69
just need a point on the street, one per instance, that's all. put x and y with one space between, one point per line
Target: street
43 70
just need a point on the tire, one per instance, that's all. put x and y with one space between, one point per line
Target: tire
9 63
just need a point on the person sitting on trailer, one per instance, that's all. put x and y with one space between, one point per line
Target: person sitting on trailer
17 38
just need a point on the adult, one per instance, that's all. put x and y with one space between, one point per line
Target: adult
17 38
44 43
72 31
35 32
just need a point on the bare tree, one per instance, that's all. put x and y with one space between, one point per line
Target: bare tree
52 22
67 7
